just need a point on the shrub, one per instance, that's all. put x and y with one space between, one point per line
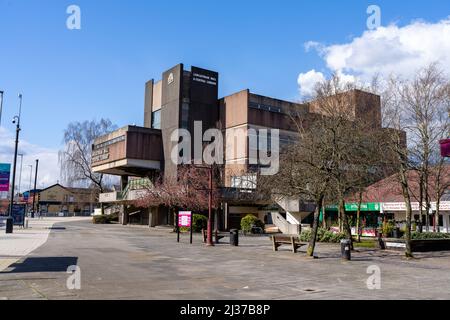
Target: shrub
105 219
388 228
199 222
250 221
323 235
429 235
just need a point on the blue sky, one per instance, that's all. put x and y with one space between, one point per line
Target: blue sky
100 70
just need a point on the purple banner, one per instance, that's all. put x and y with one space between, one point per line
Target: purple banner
5 171
445 148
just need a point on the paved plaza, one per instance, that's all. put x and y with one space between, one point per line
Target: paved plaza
119 262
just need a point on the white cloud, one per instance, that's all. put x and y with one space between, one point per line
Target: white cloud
307 82
48 160
389 50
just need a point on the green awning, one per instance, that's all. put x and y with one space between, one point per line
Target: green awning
353 207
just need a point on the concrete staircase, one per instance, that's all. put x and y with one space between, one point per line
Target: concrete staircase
284 226
296 211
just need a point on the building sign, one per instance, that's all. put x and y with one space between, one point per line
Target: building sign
353 207
399 206
18 214
203 78
100 155
170 79
5 171
443 206
101 152
185 219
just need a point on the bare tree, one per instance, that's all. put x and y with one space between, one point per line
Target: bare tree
303 173
75 158
353 136
425 99
188 190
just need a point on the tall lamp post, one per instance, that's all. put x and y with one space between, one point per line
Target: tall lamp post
209 240
34 192
1 106
16 120
20 172
29 189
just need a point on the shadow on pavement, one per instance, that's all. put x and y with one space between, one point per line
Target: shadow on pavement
43 264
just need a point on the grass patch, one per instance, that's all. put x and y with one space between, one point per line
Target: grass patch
369 243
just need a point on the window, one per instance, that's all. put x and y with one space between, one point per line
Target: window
156 119
185 115
244 182
264 107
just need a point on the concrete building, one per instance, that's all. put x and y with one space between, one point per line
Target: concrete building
183 97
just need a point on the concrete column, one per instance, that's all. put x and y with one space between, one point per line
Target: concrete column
225 216
123 182
124 215
216 219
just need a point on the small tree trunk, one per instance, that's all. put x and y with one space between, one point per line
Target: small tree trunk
436 219
358 217
312 241
420 204
407 198
345 223
324 216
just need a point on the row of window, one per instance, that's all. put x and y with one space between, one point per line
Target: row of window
156 117
264 107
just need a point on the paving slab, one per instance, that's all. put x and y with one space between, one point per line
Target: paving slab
119 262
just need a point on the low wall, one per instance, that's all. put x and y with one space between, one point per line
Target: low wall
419 245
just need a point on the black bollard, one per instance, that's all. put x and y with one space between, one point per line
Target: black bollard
234 237
9 225
346 249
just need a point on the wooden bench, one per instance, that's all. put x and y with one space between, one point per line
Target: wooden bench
217 236
280 240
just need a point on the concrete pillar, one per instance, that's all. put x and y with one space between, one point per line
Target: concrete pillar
124 214
225 216
216 219
123 182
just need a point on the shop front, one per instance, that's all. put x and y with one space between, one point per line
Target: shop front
371 217
398 210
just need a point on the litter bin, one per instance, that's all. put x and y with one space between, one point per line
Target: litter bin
346 249
234 237
396 233
9 225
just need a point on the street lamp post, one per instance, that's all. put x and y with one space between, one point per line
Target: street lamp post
209 240
1 106
16 120
29 189
20 172
34 192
